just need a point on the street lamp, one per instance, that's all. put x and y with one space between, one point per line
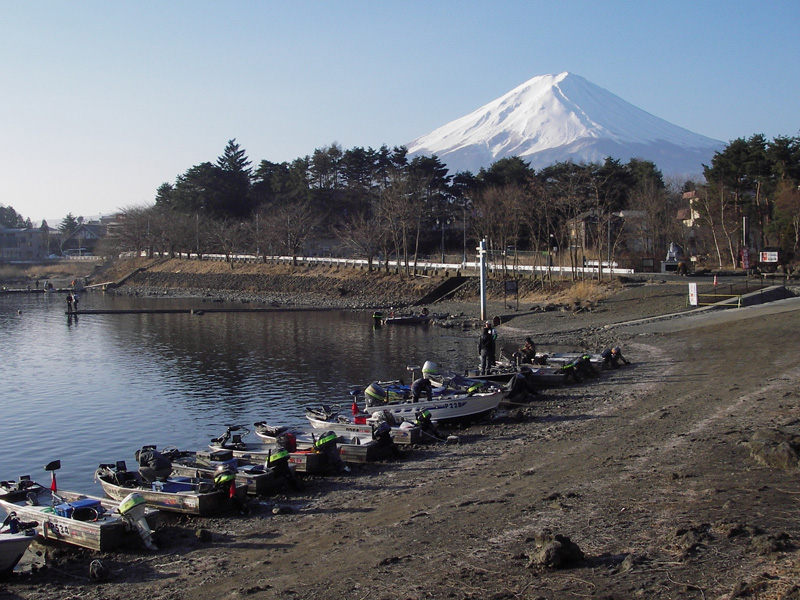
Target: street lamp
443 224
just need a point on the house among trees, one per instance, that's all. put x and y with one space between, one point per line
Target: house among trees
84 238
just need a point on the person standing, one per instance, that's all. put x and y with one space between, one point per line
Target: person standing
69 302
486 348
75 302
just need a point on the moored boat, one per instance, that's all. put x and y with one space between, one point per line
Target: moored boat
74 518
445 405
15 537
12 547
189 495
331 417
259 479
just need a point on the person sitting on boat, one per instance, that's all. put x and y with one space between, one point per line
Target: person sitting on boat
527 354
152 464
421 386
486 348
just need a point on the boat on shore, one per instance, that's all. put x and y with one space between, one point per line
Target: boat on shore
188 495
15 537
12 548
445 405
259 479
73 518
331 417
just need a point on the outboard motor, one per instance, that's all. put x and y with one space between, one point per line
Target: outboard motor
232 440
375 395
579 369
16 526
326 445
521 386
278 460
426 426
383 435
132 508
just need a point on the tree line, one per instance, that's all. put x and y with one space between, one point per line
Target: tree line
378 203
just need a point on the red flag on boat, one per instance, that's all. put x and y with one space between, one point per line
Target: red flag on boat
232 491
53 486
354 408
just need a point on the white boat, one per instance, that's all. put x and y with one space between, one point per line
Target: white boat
331 418
445 405
12 547
563 358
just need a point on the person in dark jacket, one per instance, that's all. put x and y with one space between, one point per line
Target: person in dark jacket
486 348
153 465
421 386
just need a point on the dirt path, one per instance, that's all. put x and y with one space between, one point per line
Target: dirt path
647 469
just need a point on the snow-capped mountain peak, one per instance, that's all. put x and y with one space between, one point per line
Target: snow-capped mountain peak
553 118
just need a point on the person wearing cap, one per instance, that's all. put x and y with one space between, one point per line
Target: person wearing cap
486 348
152 465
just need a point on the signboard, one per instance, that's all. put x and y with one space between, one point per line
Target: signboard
768 257
511 286
693 294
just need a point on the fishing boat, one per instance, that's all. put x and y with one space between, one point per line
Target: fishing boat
358 425
408 320
12 547
272 454
15 537
74 518
445 405
308 439
207 464
503 374
563 358
188 495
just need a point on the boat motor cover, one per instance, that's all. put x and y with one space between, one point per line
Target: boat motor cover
430 368
375 394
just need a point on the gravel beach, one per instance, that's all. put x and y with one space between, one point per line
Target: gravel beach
650 481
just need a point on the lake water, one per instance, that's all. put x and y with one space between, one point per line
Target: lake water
95 388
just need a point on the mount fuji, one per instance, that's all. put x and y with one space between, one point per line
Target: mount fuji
559 118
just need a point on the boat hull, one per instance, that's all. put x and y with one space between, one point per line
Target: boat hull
193 502
455 407
400 435
108 532
12 547
258 454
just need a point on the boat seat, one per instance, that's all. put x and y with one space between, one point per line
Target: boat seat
125 479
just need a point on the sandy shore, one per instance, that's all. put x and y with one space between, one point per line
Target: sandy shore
641 483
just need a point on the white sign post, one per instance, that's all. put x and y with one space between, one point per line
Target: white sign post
693 294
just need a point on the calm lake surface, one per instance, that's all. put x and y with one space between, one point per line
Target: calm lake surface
95 388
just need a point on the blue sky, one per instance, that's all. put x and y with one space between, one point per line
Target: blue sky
103 101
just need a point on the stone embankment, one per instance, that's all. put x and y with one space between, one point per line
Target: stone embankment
286 285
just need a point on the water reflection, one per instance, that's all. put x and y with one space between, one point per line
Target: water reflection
93 388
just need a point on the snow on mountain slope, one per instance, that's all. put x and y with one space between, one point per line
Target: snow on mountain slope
554 118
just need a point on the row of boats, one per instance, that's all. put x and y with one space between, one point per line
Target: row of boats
382 418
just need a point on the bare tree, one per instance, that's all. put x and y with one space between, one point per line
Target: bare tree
287 227
361 232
